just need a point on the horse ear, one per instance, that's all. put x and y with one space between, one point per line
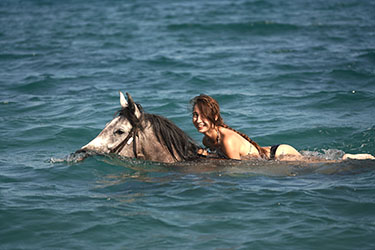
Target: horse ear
123 101
133 106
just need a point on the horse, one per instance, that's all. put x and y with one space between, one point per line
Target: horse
136 134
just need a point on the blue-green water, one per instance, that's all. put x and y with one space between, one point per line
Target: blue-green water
296 72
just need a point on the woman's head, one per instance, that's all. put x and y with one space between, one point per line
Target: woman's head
206 115
206 108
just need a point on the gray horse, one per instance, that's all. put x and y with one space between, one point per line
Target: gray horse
135 134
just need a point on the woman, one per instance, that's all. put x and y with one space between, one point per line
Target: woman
227 142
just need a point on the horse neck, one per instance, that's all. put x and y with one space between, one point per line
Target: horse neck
149 148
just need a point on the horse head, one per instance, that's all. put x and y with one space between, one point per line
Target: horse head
135 134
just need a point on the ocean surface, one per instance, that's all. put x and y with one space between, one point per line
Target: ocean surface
295 72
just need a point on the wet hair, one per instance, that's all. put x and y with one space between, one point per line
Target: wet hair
210 110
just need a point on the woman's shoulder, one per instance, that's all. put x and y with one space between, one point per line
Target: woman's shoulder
230 139
229 134
233 139
231 143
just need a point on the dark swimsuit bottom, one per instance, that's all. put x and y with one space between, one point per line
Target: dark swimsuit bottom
273 151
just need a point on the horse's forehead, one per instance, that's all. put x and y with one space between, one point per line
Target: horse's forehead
119 121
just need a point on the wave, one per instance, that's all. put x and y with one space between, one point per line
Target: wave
368 55
259 28
163 61
37 84
16 56
351 74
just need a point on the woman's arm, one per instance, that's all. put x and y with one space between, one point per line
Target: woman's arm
208 150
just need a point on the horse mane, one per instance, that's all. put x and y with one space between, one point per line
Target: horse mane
166 132
172 137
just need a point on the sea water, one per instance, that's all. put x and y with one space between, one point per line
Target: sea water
295 72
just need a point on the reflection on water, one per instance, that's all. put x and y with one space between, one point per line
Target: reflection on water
154 172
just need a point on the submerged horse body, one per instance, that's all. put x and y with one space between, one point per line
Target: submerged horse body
135 134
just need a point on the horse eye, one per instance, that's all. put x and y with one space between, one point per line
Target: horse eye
119 132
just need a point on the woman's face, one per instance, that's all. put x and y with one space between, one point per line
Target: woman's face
201 123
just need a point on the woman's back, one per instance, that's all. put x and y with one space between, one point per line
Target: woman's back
231 144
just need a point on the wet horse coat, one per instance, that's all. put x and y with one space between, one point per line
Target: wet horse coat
133 133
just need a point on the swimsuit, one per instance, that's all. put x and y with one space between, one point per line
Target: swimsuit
216 150
273 151
221 154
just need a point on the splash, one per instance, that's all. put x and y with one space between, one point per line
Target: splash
327 154
72 158
326 162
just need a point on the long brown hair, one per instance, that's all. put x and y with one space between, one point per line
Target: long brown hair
210 110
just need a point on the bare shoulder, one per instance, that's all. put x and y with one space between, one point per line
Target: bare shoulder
233 138
229 134
229 139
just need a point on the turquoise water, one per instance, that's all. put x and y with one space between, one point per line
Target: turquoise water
297 72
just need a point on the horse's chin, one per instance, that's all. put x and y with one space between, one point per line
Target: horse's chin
81 151
84 153
90 151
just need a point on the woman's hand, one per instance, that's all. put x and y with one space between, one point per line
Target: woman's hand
202 151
